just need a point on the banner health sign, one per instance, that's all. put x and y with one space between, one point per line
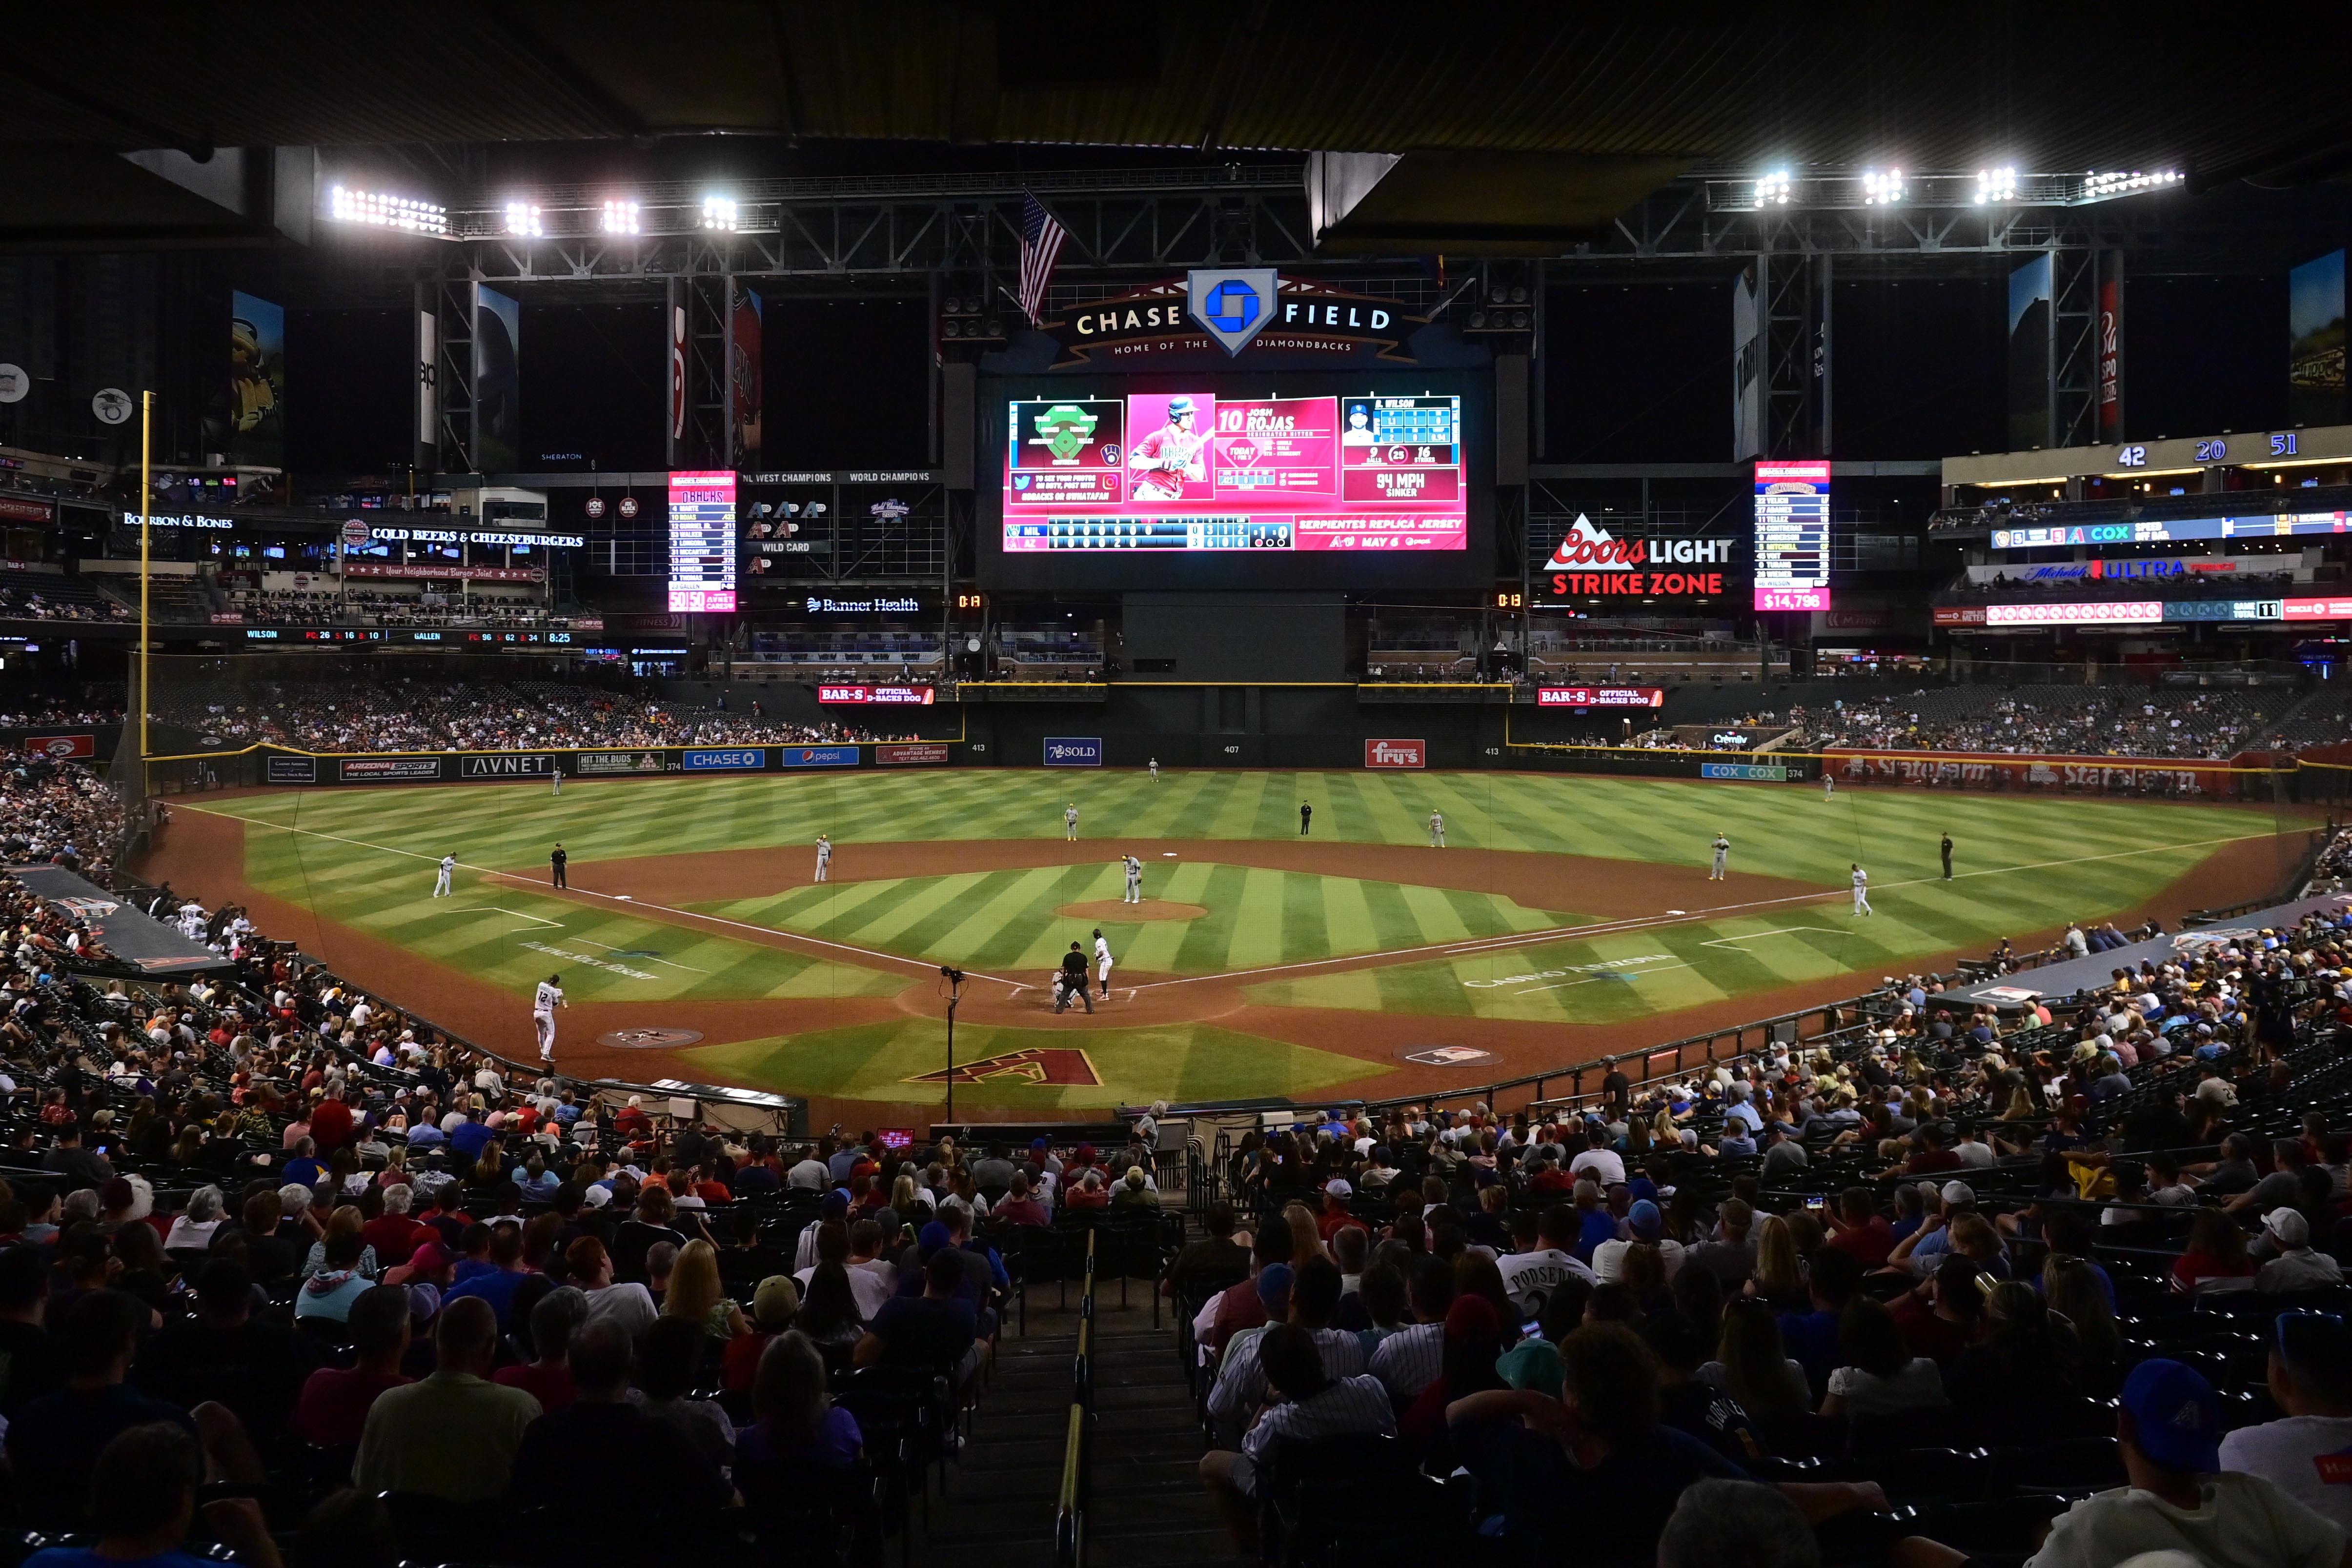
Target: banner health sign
817 756
1064 751
711 759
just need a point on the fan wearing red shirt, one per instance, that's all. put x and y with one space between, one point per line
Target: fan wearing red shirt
1335 1216
1859 1230
395 1236
331 1125
333 1407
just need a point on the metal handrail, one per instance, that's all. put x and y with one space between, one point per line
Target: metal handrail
1070 1512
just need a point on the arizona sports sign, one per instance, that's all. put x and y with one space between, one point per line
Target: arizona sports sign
1396 754
1590 563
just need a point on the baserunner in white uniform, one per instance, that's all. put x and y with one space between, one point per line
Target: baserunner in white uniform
1102 963
1070 822
441 888
1436 831
1722 859
1860 890
1134 880
543 1003
823 858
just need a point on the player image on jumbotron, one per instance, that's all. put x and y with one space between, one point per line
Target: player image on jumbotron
1164 460
1360 427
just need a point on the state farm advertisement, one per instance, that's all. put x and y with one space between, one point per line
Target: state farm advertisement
1396 754
1600 696
896 697
1590 563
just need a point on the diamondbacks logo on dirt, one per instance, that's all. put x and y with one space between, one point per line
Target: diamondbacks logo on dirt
1049 1066
650 1038
1447 1055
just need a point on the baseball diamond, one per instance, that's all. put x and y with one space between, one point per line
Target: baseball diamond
1569 913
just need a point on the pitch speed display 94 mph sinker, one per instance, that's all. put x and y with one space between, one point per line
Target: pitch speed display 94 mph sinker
1192 471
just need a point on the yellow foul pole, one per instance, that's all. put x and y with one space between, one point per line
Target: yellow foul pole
146 519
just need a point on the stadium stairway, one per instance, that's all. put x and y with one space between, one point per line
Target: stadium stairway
1147 1509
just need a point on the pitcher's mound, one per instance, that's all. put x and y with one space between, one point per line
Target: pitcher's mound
1149 909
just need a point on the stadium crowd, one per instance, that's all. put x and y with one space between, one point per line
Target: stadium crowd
262 1231
367 607
31 604
2075 721
266 1234
1997 1262
411 714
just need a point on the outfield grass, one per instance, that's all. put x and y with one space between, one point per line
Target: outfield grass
1004 921
1136 1066
1782 830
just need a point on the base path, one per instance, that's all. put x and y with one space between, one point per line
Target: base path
202 855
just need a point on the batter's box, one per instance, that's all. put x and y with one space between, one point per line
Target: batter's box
650 1038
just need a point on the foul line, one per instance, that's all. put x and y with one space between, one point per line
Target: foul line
1651 922
590 892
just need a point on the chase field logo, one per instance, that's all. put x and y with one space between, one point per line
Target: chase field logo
1231 302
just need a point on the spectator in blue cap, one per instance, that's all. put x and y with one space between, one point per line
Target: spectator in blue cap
2178 1501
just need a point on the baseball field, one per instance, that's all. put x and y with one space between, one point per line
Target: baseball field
1566 916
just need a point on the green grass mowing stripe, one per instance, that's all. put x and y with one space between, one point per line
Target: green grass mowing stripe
1434 918
885 921
1254 933
1305 932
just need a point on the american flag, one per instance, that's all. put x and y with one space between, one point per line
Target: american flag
1041 247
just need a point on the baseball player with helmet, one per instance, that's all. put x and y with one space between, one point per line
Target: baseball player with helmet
1164 459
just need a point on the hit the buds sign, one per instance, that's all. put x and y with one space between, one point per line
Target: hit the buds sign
1589 562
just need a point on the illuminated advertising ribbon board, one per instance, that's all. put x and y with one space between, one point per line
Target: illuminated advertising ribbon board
1600 696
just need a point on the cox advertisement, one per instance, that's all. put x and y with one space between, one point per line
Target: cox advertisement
1068 751
1188 470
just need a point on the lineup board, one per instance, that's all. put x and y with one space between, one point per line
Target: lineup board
1792 535
702 541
